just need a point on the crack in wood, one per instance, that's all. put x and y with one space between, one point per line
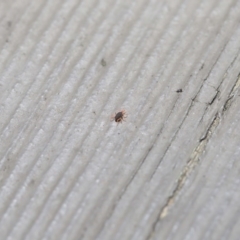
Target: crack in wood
187 170
198 151
196 154
192 162
214 98
231 95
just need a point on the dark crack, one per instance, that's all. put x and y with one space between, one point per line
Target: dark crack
187 170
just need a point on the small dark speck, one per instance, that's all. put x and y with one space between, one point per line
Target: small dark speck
179 90
9 23
32 182
103 63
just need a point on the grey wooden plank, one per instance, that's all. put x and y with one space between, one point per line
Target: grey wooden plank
171 170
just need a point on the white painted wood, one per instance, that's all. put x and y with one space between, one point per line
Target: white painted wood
171 170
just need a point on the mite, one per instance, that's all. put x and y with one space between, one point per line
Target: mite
120 116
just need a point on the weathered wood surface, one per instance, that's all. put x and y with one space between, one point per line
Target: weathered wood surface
171 171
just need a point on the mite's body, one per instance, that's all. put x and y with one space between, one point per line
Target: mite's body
120 116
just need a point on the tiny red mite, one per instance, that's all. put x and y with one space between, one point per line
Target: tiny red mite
119 117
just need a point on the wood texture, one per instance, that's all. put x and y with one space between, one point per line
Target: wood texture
171 170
